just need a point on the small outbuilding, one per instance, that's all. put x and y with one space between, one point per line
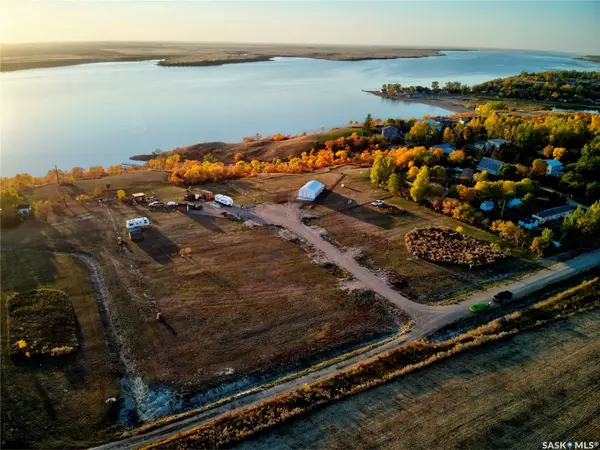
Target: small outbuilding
390 133
555 168
24 210
487 206
311 190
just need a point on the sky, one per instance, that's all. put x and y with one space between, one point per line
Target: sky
569 26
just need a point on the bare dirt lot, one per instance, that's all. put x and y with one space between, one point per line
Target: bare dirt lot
28 56
511 394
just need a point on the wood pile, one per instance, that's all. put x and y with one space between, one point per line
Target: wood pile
444 245
389 209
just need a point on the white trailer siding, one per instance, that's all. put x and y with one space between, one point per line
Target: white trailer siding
224 200
139 222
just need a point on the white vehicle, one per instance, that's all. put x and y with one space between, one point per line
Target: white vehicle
378 203
172 204
224 200
139 222
155 204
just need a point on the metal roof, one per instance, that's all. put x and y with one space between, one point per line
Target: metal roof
489 164
553 211
554 163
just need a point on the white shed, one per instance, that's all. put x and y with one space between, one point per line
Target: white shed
311 190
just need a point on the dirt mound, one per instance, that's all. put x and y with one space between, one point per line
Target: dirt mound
263 150
443 245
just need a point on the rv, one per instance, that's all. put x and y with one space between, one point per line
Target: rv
140 222
224 200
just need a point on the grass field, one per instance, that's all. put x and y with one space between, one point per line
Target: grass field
538 386
241 302
381 239
56 402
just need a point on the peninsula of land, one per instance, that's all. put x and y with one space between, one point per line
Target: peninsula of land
31 56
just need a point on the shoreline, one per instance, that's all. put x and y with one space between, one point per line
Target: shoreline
452 104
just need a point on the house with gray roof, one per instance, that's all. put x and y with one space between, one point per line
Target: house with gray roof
548 215
490 164
447 148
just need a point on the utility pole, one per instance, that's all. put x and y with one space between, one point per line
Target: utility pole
502 214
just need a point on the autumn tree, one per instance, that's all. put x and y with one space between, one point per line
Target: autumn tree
97 192
395 183
83 198
121 194
449 136
10 199
558 153
240 156
420 186
548 150
456 157
435 86
539 167
367 127
382 169
421 132
541 243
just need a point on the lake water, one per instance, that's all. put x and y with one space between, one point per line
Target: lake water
103 113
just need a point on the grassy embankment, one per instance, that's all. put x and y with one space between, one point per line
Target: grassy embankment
417 355
56 402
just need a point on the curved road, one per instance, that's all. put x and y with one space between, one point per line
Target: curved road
427 318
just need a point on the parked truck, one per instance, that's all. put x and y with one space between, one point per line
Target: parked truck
224 200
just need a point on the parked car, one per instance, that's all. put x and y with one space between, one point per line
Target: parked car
172 204
503 296
155 204
378 203
193 205
478 307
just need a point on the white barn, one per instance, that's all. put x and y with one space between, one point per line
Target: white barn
311 190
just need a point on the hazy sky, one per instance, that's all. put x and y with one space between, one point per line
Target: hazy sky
571 26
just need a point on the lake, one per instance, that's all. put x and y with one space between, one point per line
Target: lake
103 113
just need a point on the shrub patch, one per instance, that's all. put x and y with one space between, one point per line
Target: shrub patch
41 322
443 245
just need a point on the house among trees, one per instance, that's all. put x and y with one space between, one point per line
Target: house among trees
495 144
447 148
467 174
555 168
529 223
479 145
390 133
490 164
551 214
514 203
487 206
23 210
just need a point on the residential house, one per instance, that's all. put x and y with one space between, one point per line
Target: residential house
529 223
551 214
24 210
479 145
447 148
391 133
487 206
467 174
490 164
436 123
555 168
465 120
514 203
495 144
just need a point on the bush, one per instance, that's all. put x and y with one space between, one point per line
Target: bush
443 245
41 322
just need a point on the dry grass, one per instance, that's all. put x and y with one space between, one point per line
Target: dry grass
243 300
28 56
538 386
381 237
50 402
417 355
41 322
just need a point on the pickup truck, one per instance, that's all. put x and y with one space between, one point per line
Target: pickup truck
503 296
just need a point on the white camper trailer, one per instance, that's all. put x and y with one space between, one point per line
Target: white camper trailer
139 222
224 200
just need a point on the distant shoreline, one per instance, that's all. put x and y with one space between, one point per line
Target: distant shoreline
36 56
590 58
449 103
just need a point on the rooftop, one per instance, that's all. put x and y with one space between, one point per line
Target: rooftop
489 164
554 163
553 211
